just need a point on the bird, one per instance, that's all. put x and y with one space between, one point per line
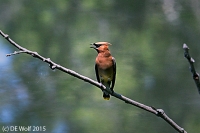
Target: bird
105 67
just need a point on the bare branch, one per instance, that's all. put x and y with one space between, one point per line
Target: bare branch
157 112
192 68
16 52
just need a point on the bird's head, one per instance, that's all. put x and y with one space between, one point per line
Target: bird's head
100 46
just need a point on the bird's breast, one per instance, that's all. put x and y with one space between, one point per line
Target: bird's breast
105 66
105 72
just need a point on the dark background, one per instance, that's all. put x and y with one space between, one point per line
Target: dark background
147 38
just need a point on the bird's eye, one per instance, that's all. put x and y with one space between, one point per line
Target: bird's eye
97 45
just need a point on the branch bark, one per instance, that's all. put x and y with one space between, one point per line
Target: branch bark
191 61
53 65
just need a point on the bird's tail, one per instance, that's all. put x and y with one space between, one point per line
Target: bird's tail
106 96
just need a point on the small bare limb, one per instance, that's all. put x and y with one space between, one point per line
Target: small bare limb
16 52
157 112
192 68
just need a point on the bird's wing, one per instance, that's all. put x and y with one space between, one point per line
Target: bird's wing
114 73
97 73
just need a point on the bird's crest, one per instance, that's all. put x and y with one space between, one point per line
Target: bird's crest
103 43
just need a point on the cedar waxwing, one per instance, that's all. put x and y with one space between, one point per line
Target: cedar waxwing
105 67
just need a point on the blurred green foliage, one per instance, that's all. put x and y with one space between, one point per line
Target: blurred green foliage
147 38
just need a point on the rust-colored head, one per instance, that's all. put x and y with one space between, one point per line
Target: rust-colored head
100 46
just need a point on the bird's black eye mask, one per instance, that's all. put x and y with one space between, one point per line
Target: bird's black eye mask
95 46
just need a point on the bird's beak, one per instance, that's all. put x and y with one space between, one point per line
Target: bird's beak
93 46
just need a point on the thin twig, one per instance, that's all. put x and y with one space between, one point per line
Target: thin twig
16 52
157 112
192 68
